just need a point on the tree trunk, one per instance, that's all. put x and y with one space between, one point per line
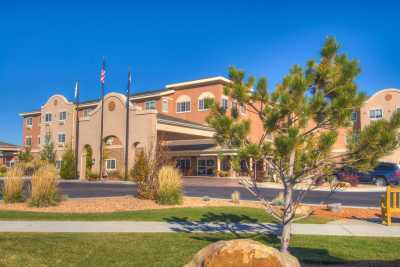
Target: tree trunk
287 218
288 206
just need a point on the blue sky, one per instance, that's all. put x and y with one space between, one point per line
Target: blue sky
46 45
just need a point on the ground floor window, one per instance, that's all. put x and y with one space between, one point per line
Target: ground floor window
183 164
206 167
111 164
58 164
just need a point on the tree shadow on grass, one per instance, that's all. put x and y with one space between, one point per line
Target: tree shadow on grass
221 223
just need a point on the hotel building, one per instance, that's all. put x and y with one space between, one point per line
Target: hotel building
175 115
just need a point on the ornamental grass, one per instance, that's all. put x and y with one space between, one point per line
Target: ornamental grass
169 186
13 186
44 187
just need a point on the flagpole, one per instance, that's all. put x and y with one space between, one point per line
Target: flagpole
77 89
102 78
128 93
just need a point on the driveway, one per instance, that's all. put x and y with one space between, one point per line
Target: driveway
221 188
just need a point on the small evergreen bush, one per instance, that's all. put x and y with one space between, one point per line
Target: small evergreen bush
169 186
68 168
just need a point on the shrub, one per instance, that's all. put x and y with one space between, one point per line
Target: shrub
223 173
143 175
13 186
114 175
3 170
44 187
92 176
68 170
169 186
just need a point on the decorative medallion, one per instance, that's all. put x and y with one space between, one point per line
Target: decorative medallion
55 102
388 97
111 106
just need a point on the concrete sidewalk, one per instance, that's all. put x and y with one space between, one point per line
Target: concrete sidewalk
342 229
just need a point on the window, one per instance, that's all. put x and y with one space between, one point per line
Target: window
38 140
28 140
150 105
63 116
224 103
58 164
29 121
165 105
61 138
47 117
183 106
242 108
204 101
86 112
353 116
111 164
375 113
234 104
183 164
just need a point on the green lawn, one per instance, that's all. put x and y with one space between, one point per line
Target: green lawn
205 214
156 250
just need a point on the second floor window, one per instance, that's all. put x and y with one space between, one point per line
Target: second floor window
86 112
183 106
165 105
29 121
61 138
63 115
150 105
375 114
47 117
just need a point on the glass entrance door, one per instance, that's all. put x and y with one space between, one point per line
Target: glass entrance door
206 167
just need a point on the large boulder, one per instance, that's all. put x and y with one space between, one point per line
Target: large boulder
241 253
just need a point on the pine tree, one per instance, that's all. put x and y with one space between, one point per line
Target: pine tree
303 114
68 168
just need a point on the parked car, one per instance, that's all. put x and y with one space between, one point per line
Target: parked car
349 174
384 173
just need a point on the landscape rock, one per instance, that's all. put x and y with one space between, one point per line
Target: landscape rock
241 253
303 210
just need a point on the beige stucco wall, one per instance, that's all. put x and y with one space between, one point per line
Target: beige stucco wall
55 105
388 100
142 130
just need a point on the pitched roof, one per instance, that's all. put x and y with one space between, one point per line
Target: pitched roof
7 145
177 120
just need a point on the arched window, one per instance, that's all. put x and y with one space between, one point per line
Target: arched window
202 103
183 104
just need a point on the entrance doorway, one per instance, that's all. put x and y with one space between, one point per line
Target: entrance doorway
206 167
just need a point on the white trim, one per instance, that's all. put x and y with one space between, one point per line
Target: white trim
165 103
152 95
200 81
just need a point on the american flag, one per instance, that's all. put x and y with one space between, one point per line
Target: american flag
102 75
103 72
